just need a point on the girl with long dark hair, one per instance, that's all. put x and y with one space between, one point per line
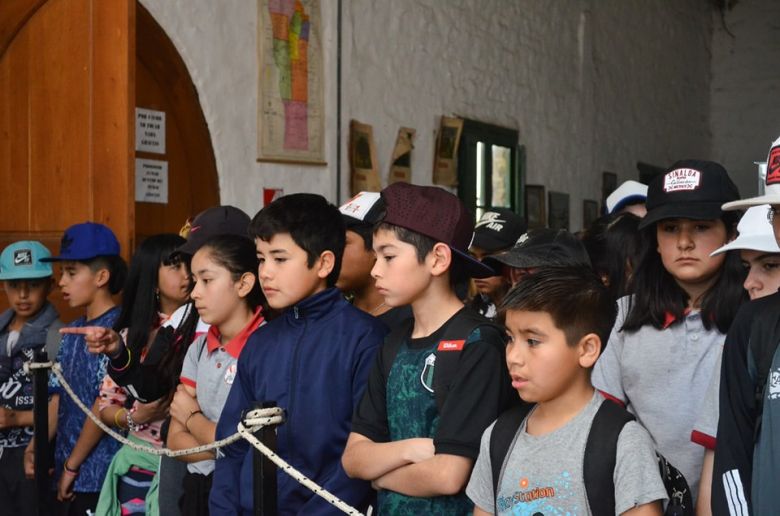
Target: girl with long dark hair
227 296
669 334
156 286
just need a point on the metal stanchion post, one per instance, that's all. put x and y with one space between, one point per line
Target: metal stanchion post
264 471
41 424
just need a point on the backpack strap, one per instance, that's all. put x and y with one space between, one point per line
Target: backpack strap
764 337
601 456
450 348
392 344
501 438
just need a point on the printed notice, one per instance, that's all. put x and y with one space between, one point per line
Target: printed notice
149 130
151 181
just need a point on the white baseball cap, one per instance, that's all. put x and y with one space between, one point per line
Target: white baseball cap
630 192
755 233
772 183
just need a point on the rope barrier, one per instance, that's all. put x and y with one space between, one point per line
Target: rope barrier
297 475
253 421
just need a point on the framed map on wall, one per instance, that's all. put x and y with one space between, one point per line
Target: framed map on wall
290 109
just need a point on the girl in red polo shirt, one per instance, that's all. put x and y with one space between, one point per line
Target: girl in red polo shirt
228 297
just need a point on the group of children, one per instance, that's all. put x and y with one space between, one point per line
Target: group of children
403 388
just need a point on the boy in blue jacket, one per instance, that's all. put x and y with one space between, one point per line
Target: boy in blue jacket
312 360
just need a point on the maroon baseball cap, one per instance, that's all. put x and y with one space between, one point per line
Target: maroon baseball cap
217 220
437 214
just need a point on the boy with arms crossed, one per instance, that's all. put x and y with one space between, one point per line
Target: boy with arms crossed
438 382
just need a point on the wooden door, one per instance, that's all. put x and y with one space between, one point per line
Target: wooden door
71 76
164 84
66 112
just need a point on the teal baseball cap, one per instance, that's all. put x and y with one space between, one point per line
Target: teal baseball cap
22 260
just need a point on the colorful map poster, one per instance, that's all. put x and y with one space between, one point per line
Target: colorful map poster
290 110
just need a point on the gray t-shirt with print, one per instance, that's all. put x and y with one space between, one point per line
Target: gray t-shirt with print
543 474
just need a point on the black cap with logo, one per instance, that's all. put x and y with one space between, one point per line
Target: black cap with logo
689 189
498 229
542 248
218 220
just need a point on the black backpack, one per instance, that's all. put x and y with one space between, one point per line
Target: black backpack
451 345
599 462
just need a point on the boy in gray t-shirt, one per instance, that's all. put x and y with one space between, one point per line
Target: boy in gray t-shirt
556 321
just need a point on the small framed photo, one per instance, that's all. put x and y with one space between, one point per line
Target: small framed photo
608 185
559 210
590 212
535 206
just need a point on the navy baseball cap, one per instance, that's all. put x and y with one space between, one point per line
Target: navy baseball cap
84 242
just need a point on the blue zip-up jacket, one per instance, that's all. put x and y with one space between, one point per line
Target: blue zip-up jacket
313 361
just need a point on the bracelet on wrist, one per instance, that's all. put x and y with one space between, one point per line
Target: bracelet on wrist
129 359
68 470
117 419
131 425
190 417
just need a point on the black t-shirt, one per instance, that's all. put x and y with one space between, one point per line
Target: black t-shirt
481 389
397 316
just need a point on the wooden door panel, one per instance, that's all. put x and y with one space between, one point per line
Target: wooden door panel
65 120
59 114
14 142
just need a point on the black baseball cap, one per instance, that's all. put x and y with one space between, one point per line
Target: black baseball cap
542 248
218 220
498 229
437 214
689 189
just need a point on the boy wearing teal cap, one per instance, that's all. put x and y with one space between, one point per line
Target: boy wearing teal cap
27 326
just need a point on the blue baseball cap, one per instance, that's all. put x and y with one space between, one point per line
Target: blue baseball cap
22 260
85 242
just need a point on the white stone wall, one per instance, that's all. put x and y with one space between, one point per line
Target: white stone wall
590 85
745 112
217 40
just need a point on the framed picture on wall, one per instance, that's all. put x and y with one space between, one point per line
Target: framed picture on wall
291 87
535 206
559 210
590 212
608 185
